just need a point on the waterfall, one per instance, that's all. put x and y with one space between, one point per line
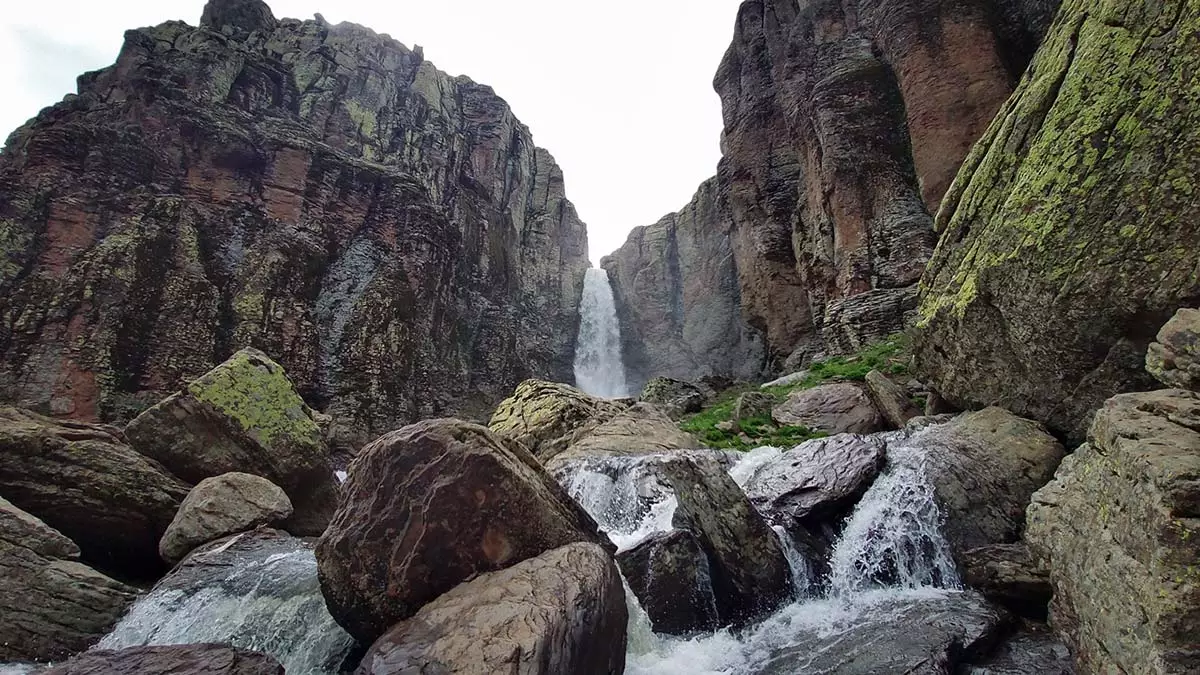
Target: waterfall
598 367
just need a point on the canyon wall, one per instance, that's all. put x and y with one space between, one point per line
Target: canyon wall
845 122
389 233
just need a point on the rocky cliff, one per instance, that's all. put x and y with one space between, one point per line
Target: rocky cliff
390 233
844 124
1071 233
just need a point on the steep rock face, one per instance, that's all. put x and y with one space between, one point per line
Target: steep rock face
389 233
1069 236
845 122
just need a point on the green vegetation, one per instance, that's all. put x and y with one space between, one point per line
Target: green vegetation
716 426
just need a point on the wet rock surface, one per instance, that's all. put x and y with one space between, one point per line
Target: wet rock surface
221 506
200 659
837 408
430 506
560 612
1032 650
669 574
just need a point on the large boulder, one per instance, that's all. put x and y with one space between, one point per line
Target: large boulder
1071 227
1118 529
1007 575
189 659
430 506
560 612
669 574
244 415
220 506
750 572
547 417
817 480
1174 359
642 429
838 408
752 404
891 399
51 605
84 482
676 397
984 467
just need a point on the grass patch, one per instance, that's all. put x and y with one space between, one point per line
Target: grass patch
889 356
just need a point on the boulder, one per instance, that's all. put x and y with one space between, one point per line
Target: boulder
1118 529
547 417
51 605
817 480
1175 359
244 415
190 659
669 574
837 408
430 506
891 399
560 612
750 572
1032 650
984 467
752 404
676 397
221 506
895 635
83 481
1007 575
643 429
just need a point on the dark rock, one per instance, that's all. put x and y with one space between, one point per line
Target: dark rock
240 17
750 573
816 481
675 397
837 408
1033 650
1174 359
51 605
1007 575
196 659
1118 529
1058 262
221 506
560 612
244 416
547 417
752 404
669 574
84 482
430 506
891 399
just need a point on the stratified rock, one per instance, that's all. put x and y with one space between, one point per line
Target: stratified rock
390 233
984 467
676 397
669 574
752 404
51 605
1007 575
1032 650
750 573
642 429
430 506
1118 529
560 612
547 417
918 635
891 400
1175 359
84 482
220 506
838 408
244 416
1070 232
817 480
193 659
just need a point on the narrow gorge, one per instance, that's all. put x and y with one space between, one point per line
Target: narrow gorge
304 367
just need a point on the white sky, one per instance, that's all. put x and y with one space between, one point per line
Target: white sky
620 91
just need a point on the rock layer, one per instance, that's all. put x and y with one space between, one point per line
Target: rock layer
390 233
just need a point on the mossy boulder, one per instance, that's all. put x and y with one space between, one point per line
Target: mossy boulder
548 417
1174 359
1069 235
244 415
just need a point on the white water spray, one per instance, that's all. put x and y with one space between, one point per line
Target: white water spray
598 367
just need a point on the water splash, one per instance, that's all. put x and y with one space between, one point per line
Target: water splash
624 497
598 367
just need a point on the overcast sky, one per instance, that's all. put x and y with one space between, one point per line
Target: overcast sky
619 91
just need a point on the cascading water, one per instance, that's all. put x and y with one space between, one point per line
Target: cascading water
598 367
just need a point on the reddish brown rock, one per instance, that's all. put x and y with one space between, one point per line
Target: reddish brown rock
390 233
430 506
199 659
